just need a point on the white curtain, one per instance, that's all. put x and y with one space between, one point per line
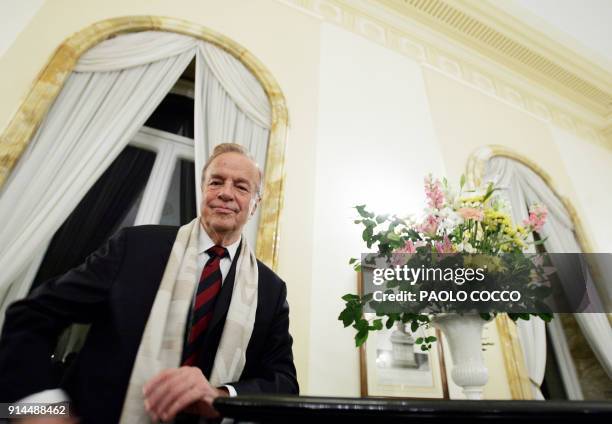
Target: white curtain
231 106
113 90
523 187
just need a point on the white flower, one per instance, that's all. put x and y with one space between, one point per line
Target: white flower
450 220
500 203
409 222
466 247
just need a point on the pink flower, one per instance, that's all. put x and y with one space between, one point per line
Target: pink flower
399 257
433 191
445 246
409 248
430 225
537 217
471 213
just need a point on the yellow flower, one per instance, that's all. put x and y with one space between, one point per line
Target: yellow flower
473 199
519 243
490 263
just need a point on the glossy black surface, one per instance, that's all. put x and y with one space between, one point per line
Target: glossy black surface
267 409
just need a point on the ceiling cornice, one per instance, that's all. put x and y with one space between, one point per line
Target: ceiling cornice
500 36
486 47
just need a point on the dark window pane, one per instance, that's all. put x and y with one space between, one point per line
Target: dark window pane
180 205
174 114
552 385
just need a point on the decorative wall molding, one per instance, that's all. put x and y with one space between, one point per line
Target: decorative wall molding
487 49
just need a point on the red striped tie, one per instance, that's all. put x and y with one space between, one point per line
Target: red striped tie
208 289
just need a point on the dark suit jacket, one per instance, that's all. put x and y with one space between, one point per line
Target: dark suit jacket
114 291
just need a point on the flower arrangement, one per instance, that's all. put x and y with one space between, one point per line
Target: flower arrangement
465 221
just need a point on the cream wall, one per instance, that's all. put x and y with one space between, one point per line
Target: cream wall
466 119
589 167
375 143
15 15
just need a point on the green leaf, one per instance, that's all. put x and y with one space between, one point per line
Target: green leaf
546 317
462 181
390 322
381 218
414 326
376 325
352 261
361 324
361 337
346 316
361 210
490 190
430 339
392 236
348 297
369 223
419 340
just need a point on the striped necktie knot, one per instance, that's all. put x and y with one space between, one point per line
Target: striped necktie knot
217 252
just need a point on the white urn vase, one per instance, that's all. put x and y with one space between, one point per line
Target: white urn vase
463 334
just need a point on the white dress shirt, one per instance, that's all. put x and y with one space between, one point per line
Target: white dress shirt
205 243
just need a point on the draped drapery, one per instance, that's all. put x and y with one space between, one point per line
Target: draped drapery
91 121
114 88
231 105
523 187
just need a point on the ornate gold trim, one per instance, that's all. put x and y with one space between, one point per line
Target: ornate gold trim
47 86
463 39
514 362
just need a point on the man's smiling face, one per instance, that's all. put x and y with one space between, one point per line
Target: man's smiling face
229 189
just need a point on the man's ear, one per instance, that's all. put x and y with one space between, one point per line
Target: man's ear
253 205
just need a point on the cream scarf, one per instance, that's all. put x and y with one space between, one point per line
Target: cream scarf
162 342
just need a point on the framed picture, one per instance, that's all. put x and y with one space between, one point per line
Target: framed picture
392 364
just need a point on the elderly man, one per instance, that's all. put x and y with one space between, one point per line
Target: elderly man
180 316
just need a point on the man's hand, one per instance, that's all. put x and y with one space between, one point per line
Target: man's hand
180 389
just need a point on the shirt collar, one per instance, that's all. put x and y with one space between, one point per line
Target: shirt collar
205 243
